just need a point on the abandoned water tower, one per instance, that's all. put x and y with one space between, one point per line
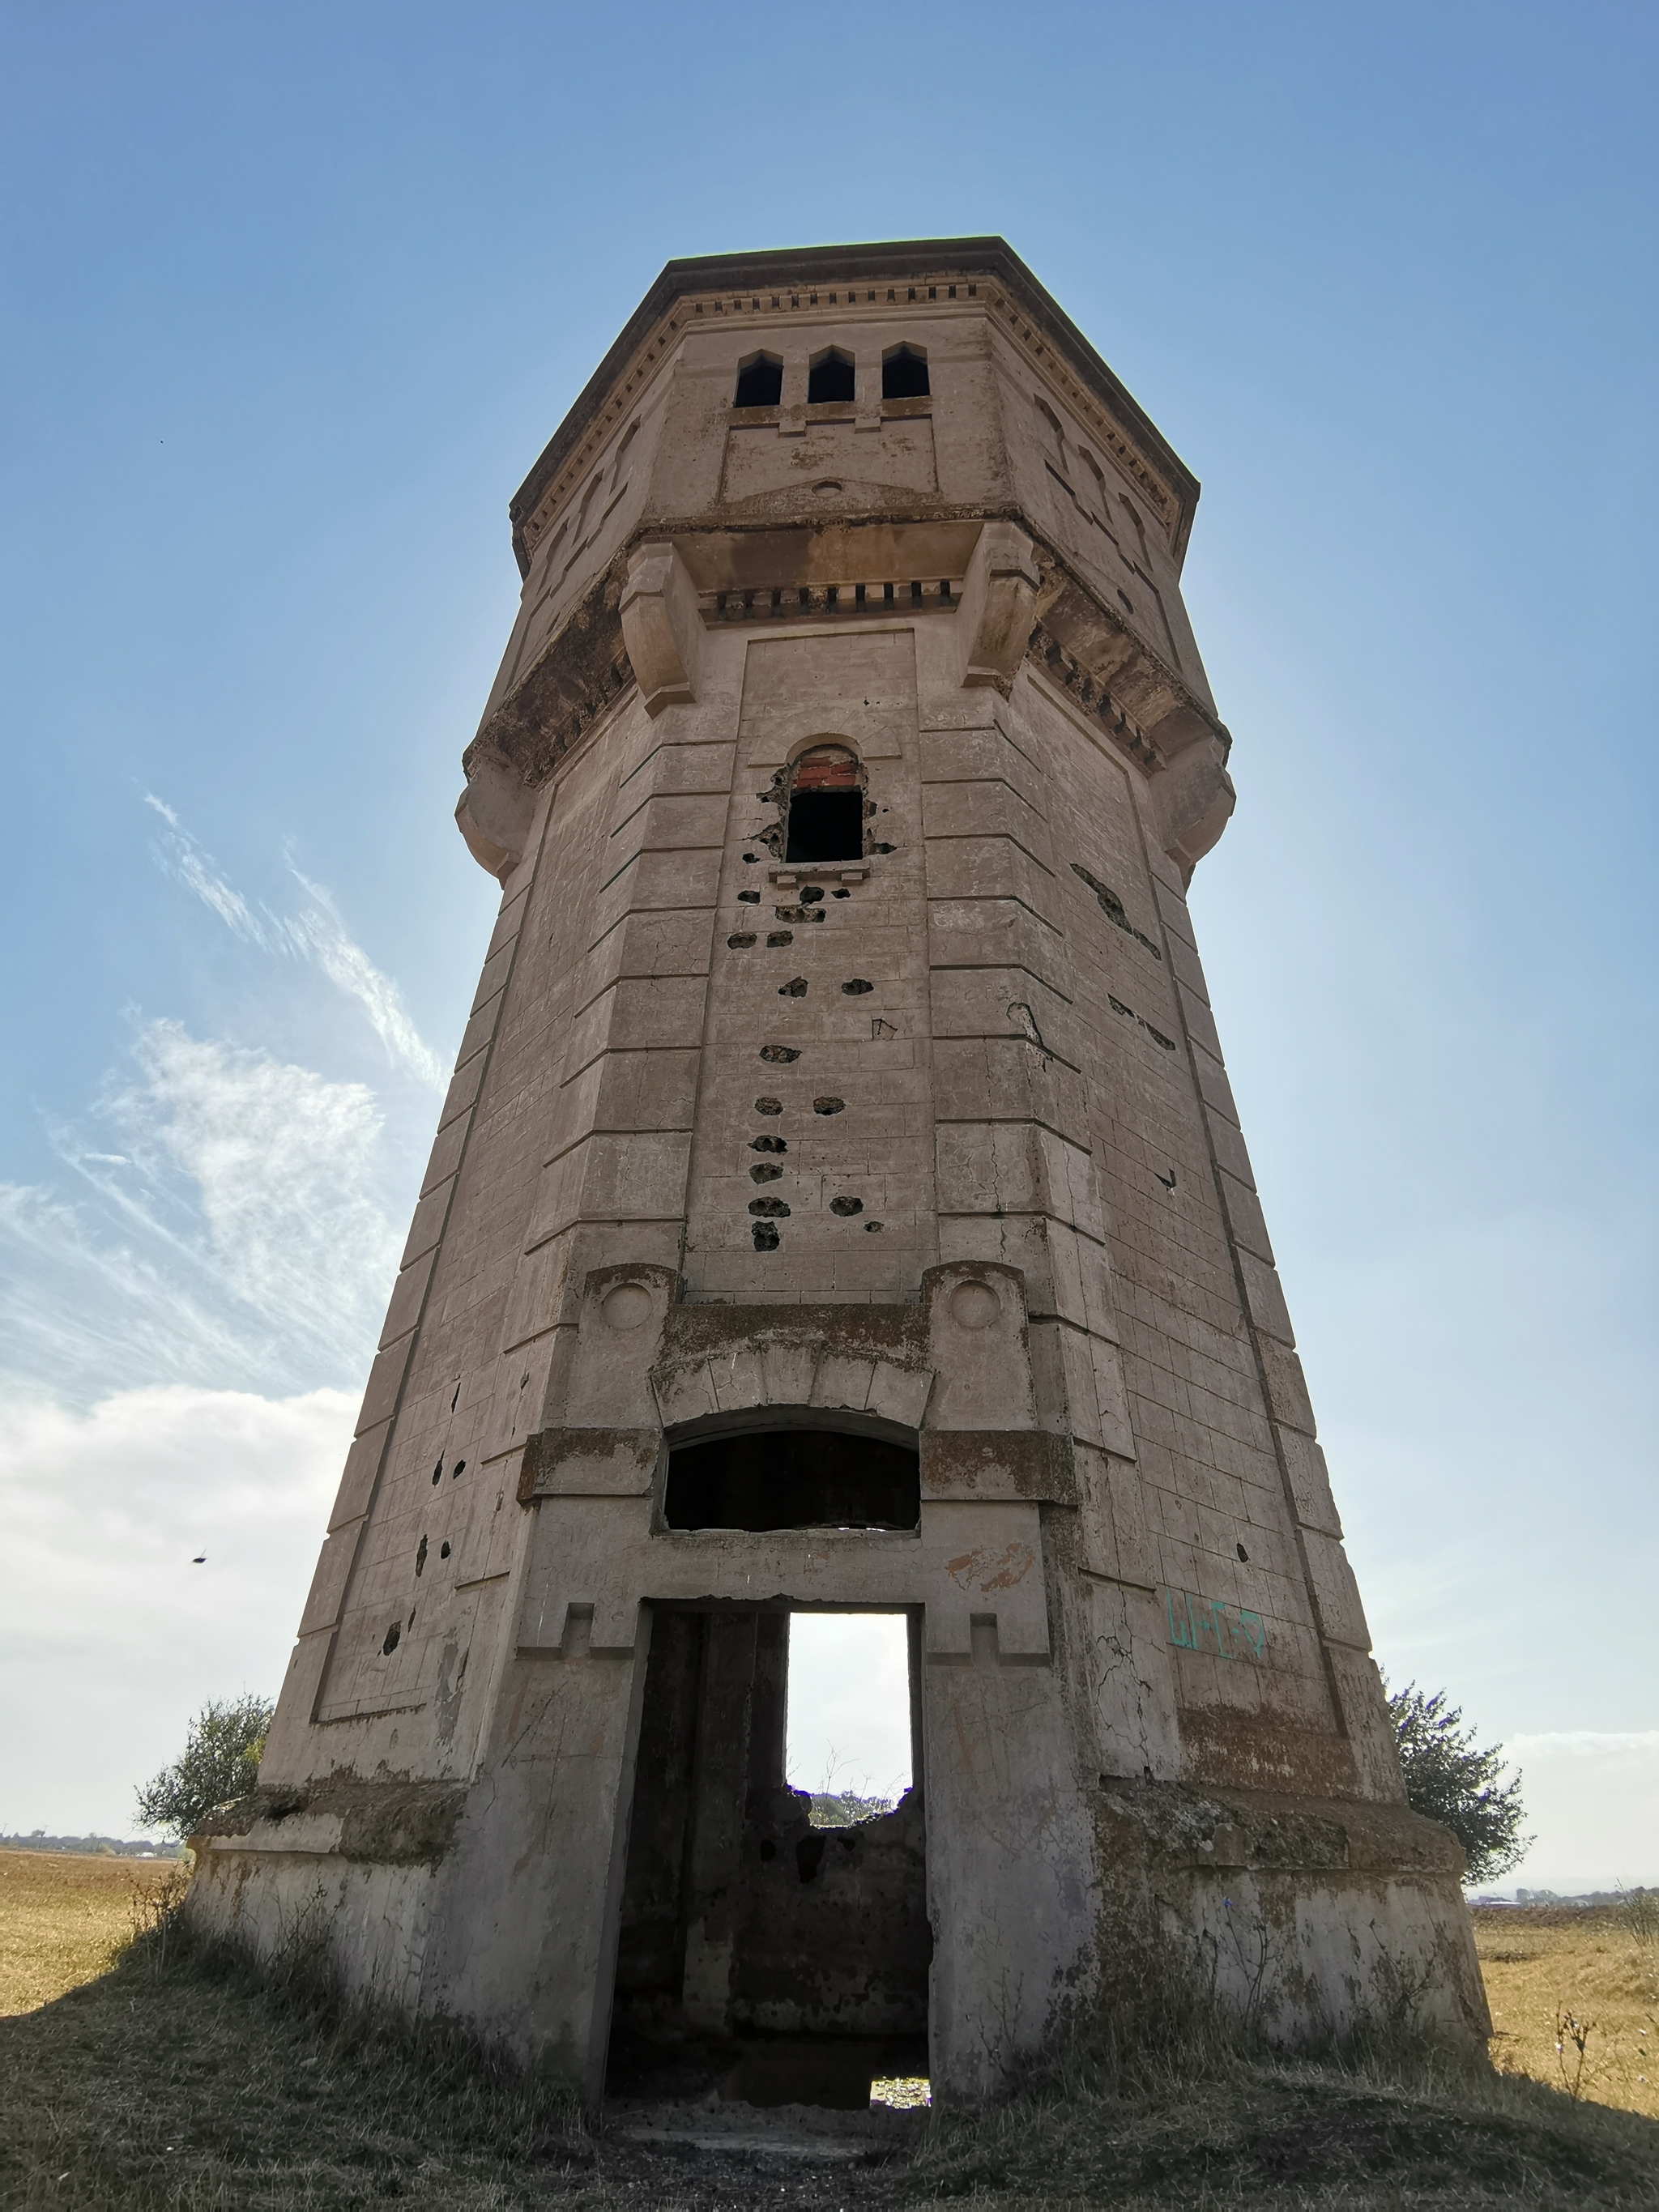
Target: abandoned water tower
840 1204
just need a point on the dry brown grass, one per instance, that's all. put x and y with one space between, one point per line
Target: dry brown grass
179 2080
63 1917
1544 1964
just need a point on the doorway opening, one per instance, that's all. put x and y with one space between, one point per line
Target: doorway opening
774 1944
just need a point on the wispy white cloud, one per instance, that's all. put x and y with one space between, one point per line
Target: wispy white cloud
283 1162
221 1243
82 1311
326 940
1585 1743
316 933
111 1636
237 1235
189 864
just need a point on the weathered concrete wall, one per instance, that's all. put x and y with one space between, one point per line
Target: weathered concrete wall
934 1143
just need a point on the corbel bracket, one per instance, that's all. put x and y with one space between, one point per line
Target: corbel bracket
660 626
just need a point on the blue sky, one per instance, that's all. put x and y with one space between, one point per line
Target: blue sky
295 296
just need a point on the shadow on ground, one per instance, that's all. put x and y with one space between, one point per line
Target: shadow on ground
181 2081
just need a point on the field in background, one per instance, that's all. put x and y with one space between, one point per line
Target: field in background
63 1917
1546 1966
179 2081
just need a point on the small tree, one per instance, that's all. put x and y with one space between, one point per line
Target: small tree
221 1762
1450 1778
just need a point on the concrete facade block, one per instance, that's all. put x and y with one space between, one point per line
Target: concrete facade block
1310 1484
1287 1390
686 1395
1244 1217
1267 1298
787 1373
990 1566
900 1394
843 1383
1231 1155
1336 1594
445 1156
1198 1022
979 1348
428 1226
1213 1086
358 1482
328 1584
408 1291
1131 1683
385 1381
976 868
463 1090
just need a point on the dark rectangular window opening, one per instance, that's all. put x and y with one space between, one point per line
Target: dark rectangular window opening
825 826
794 1478
749 1903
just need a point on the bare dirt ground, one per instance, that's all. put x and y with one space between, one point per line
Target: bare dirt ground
175 2081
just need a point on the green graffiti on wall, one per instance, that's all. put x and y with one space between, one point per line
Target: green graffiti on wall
1206 1624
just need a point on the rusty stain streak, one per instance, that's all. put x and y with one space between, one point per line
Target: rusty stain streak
1009 1567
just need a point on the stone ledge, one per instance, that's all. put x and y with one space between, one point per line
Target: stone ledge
998 1463
1180 1828
376 1823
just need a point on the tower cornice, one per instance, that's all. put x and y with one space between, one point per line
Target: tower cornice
762 577
775 286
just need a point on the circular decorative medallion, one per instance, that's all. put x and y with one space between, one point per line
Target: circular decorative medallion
974 1305
627 1306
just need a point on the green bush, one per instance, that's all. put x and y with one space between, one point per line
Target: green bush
1451 1779
220 1762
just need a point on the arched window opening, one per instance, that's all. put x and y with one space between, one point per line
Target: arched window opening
760 381
1138 526
1097 477
623 450
588 498
763 1478
825 819
904 373
1055 435
830 378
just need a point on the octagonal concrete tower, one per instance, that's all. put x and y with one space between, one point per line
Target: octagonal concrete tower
840 1203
